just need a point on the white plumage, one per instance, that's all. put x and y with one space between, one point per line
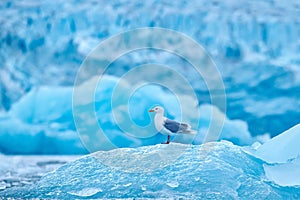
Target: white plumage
167 126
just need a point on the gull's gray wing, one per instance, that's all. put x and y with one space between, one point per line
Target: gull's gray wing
175 127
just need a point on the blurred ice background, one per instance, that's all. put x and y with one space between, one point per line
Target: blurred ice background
255 44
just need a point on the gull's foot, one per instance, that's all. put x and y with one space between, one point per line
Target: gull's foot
168 141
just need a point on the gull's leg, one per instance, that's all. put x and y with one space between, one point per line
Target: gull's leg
168 141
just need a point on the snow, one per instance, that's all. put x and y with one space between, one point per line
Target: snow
216 170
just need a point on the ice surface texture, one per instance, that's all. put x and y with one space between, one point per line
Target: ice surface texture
255 44
17 171
217 170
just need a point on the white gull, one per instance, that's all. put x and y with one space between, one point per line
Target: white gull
167 126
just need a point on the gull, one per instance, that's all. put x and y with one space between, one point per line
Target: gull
167 126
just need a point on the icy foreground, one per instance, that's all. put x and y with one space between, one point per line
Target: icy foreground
282 155
282 148
218 170
17 171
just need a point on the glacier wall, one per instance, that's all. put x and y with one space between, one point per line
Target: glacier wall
255 45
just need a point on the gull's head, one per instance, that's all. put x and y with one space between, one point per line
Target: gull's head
157 109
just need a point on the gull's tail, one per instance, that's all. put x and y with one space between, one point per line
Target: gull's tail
189 130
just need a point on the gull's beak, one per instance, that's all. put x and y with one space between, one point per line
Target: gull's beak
151 110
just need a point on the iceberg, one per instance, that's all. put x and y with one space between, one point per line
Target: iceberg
42 121
215 170
256 47
282 157
235 131
284 174
282 148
